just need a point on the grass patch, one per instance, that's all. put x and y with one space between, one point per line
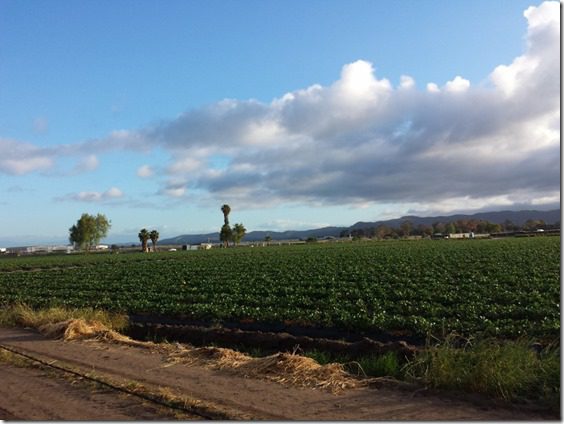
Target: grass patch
385 365
21 315
509 370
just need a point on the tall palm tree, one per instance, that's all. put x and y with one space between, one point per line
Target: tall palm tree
144 238
226 209
226 235
154 236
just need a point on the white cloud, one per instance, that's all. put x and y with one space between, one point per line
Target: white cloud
174 188
407 82
18 158
87 164
432 87
111 194
145 171
184 165
361 141
457 85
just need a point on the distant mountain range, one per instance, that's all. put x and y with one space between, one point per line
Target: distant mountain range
517 217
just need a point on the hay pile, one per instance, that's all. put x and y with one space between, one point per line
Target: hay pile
285 368
79 329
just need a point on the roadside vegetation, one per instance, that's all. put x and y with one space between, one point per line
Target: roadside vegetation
21 315
519 371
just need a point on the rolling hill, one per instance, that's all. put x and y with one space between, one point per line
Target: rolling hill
517 217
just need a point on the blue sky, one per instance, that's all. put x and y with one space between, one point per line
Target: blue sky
299 114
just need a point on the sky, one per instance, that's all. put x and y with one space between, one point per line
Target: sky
298 114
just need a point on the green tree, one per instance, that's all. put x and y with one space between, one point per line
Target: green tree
226 235
406 227
154 236
451 228
382 231
144 238
438 227
239 232
268 239
89 230
493 228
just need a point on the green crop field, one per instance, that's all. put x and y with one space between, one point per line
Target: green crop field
504 288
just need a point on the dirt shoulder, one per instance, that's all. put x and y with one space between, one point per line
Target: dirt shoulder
38 394
233 395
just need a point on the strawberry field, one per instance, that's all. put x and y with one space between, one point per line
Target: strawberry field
505 288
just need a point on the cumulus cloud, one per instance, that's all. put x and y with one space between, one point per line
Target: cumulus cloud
458 84
111 194
360 140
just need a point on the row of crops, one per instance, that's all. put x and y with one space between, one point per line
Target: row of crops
505 287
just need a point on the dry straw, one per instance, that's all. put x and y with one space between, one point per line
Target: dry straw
285 368
79 329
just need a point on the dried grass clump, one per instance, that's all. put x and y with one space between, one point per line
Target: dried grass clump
285 368
23 315
79 329
213 357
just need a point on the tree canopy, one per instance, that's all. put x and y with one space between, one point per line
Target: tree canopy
89 230
238 233
154 236
144 236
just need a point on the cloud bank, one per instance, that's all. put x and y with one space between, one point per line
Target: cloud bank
363 140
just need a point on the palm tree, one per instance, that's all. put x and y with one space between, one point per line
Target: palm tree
226 235
226 209
154 236
144 237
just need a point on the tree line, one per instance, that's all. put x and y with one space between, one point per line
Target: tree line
90 229
407 229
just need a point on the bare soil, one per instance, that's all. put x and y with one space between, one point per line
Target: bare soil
33 394
36 394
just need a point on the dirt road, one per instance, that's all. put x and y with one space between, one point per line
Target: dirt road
28 393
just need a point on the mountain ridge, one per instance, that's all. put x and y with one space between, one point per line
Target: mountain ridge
498 217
